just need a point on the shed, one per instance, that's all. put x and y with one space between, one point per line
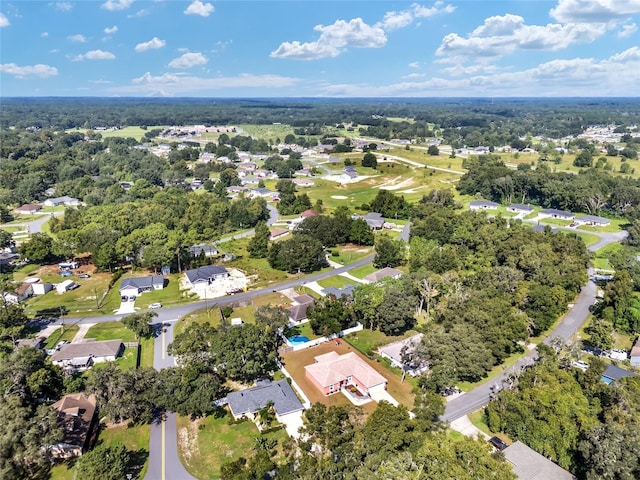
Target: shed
65 286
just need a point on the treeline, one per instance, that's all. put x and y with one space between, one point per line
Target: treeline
573 417
591 191
520 117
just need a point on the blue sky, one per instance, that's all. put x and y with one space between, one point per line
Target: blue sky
319 48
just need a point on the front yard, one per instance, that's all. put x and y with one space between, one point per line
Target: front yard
206 444
115 331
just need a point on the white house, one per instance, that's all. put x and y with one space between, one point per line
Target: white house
40 288
555 213
65 200
594 220
80 356
482 205
520 208
397 350
65 286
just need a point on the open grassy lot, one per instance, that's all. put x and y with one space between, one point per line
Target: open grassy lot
126 132
555 221
257 269
350 253
307 331
20 219
337 281
366 341
267 132
67 333
295 362
169 295
601 260
363 271
206 444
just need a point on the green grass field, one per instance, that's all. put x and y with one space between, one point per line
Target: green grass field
210 442
126 132
117 331
337 281
67 333
363 271
368 340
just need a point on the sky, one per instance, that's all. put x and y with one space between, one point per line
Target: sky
303 48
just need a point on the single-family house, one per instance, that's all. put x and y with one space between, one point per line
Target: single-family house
346 291
247 403
68 265
76 357
137 285
20 294
381 274
348 176
308 213
235 189
634 356
374 220
613 373
331 372
205 275
7 257
303 182
36 342
203 249
76 415
555 213
298 310
65 200
207 157
520 208
250 180
530 465
277 233
29 209
397 350
543 228
261 193
482 205
593 220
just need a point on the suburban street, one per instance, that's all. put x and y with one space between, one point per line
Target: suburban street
566 328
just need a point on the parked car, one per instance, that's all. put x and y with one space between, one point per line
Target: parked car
155 305
84 275
498 443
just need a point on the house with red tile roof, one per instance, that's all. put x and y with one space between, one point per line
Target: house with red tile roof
331 372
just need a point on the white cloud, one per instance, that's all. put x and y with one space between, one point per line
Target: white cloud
411 76
94 55
4 21
414 64
395 20
44 34
115 5
78 38
64 6
111 30
139 14
188 60
199 8
501 35
594 11
628 30
170 84
152 44
39 70
334 39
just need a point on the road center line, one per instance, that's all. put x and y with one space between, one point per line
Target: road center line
164 463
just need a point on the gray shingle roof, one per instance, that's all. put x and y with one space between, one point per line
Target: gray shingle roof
298 312
383 273
530 465
97 349
346 291
616 373
205 273
142 283
253 399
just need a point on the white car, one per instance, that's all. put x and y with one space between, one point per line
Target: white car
155 305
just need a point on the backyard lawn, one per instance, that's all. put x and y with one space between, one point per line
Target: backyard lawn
295 362
117 331
206 444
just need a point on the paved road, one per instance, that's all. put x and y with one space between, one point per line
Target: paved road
164 462
570 324
35 226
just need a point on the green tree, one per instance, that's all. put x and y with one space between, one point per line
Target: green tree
389 252
433 150
370 160
583 159
140 324
38 248
229 177
360 233
219 190
104 463
329 315
300 253
397 310
258 246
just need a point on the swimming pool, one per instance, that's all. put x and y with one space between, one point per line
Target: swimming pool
298 339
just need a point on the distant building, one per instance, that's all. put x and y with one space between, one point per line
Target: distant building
554 213
203 249
483 205
54 202
520 208
29 209
395 351
277 233
613 373
381 274
634 356
374 220
594 220
77 357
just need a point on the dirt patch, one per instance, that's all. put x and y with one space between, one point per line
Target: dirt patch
188 441
339 197
395 185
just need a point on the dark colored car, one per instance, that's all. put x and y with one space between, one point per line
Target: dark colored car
499 444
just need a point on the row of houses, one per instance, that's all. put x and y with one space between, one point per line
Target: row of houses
34 208
517 208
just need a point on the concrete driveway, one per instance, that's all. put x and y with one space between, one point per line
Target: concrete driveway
292 423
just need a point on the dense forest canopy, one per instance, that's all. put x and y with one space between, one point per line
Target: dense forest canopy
551 117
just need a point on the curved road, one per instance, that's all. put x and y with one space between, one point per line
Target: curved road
566 328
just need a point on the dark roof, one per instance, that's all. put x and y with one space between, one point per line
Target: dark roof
75 416
541 228
253 399
205 273
304 298
616 373
105 348
142 282
520 206
557 213
208 250
298 312
483 203
385 272
346 291
593 219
